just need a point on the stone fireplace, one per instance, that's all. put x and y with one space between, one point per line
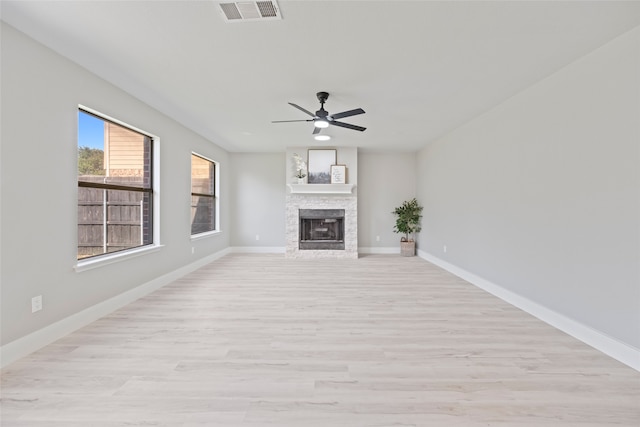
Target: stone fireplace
321 225
322 218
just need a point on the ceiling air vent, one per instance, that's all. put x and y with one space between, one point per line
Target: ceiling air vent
250 11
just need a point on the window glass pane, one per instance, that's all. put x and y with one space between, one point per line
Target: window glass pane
90 146
90 222
114 187
202 173
202 214
203 202
127 225
112 154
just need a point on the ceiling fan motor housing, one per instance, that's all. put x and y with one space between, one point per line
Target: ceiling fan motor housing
322 97
322 113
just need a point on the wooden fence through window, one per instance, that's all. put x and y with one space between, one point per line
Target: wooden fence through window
124 225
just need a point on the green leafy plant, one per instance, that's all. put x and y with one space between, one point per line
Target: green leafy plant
90 161
408 217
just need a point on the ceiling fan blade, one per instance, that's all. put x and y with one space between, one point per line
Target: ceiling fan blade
348 113
347 125
316 130
289 121
301 109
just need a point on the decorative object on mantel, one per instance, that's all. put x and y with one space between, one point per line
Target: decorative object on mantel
338 174
320 162
408 222
301 168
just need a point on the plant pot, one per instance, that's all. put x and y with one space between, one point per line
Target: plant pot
302 181
408 248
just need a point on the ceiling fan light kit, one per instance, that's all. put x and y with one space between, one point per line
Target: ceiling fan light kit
322 119
322 137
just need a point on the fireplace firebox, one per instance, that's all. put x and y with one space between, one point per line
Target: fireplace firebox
321 229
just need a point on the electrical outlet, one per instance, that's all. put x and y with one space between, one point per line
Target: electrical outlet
377 238
444 249
36 303
257 237
193 250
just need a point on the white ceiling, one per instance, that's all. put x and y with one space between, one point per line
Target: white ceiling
418 68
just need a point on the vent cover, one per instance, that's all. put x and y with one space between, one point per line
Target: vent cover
250 11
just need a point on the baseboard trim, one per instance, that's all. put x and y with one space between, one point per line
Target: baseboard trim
26 345
620 351
379 250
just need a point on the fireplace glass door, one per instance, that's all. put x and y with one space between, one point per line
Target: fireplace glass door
322 229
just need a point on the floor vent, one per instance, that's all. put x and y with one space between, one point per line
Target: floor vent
244 11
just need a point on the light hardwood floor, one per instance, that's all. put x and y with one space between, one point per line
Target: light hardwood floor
259 340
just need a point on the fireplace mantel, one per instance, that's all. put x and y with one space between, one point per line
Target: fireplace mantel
321 188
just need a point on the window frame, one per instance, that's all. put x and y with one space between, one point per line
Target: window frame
214 196
153 192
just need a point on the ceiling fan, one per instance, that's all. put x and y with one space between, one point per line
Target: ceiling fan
322 119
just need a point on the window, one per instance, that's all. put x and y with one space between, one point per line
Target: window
115 189
203 195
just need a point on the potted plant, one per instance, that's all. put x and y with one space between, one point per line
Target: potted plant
408 223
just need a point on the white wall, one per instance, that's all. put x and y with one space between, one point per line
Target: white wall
257 181
386 180
40 95
541 195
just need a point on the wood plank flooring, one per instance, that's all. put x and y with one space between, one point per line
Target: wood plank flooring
259 340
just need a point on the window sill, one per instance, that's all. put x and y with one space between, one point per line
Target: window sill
103 260
204 235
